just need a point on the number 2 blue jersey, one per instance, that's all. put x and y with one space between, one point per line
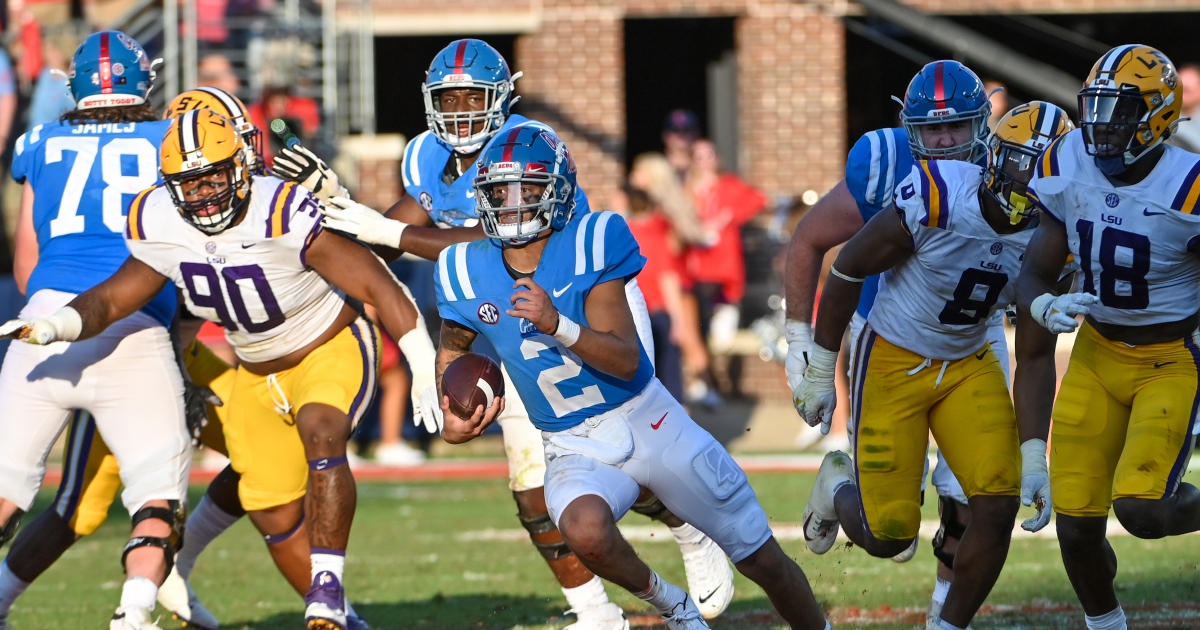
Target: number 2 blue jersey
84 178
559 390
875 165
453 204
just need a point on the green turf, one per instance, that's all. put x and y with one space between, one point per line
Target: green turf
406 569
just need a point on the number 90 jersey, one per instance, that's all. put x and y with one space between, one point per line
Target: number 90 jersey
559 390
83 179
1131 241
252 278
937 302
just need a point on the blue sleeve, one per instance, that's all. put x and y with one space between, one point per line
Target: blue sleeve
871 169
23 158
622 257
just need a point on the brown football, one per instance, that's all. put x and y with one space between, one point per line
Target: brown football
470 381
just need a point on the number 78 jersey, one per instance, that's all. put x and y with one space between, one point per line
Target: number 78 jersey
936 303
1132 242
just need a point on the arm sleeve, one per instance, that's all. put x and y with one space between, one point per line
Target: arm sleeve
22 156
622 258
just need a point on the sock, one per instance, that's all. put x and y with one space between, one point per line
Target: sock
940 589
688 538
827 626
590 594
332 560
1112 620
204 525
946 625
662 595
11 588
139 592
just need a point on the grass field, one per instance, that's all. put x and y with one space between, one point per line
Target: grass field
435 555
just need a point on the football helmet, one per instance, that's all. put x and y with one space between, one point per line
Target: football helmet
1013 150
944 92
1130 103
110 69
202 149
508 201
228 106
468 64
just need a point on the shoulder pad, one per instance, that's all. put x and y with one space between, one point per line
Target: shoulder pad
279 209
410 169
935 194
135 229
452 275
589 242
872 165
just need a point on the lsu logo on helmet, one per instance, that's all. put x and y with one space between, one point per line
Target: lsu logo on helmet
204 169
230 107
1013 150
1130 103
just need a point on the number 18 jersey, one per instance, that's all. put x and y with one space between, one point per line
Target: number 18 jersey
1131 241
84 178
937 302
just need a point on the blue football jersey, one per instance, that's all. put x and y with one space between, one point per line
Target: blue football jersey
84 177
877 162
559 390
449 205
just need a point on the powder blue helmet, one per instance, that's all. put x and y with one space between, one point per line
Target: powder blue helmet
469 64
526 155
110 69
945 92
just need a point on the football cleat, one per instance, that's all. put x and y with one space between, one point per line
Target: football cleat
177 596
606 616
709 578
820 517
132 618
685 617
907 554
325 603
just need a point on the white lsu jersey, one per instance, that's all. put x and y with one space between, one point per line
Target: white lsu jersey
937 303
252 279
1131 241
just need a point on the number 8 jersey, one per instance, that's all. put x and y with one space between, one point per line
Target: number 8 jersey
1131 241
936 303
83 178
252 278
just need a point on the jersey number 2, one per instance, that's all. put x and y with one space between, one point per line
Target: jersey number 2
117 184
549 378
966 309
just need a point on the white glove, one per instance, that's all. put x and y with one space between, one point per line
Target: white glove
303 166
799 340
418 351
1035 483
1056 313
817 396
347 215
64 325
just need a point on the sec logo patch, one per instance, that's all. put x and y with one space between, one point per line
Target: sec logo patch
488 313
426 201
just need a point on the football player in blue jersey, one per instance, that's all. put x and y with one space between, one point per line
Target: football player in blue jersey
469 91
609 427
79 175
943 115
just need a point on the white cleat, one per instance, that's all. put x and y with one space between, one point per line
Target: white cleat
606 616
132 618
709 578
685 617
820 517
907 554
177 596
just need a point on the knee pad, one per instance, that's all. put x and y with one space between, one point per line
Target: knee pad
949 528
173 516
10 529
538 526
652 507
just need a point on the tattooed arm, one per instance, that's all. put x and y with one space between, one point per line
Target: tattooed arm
456 341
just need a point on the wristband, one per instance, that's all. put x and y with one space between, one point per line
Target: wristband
833 270
395 230
1040 308
567 332
67 324
798 332
1033 457
417 346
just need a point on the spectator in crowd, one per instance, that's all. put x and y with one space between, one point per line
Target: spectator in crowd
680 131
663 282
51 95
302 115
724 203
215 70
1187 134
211 29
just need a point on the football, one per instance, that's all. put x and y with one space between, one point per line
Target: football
472 380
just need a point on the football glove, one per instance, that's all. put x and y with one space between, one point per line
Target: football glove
304 167
1056 313
64 325
346 215
799 340
419 352
1035 483
196 399
818 394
